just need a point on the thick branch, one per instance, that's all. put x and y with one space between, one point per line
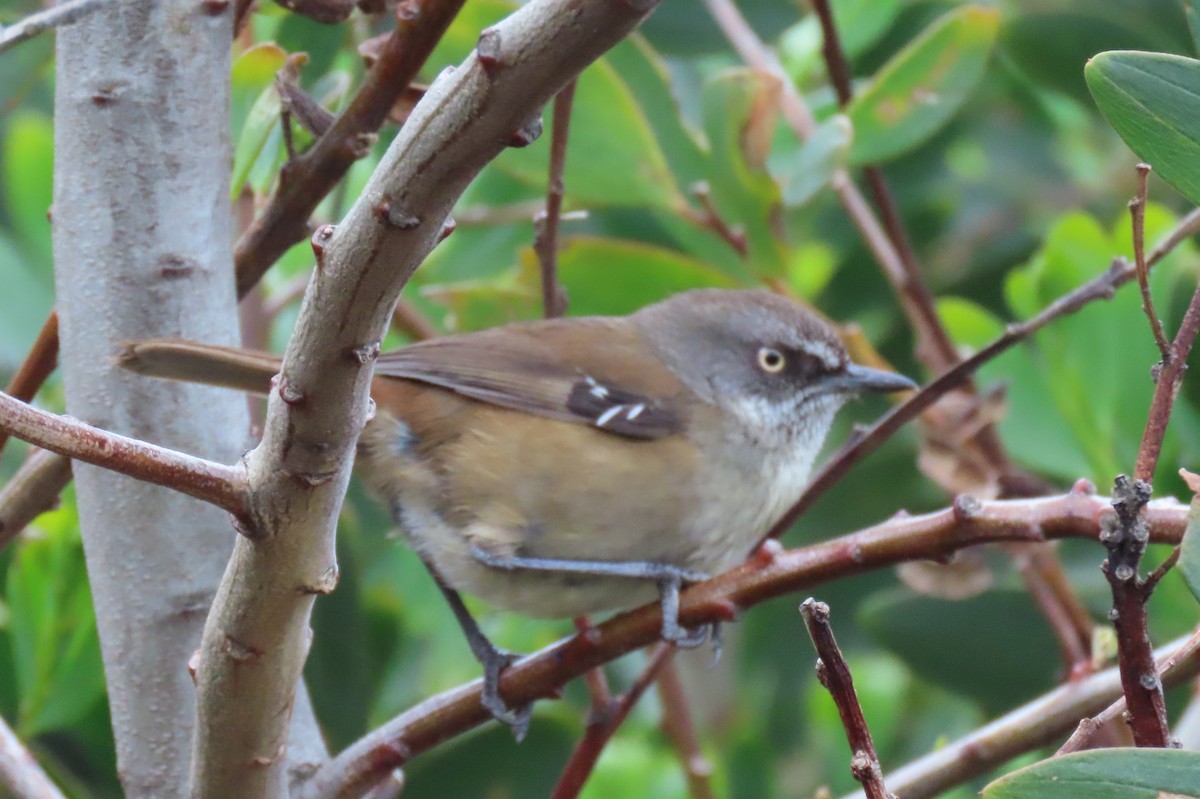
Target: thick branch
256 637
216 483
770 574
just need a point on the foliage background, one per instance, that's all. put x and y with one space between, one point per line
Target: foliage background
1013 189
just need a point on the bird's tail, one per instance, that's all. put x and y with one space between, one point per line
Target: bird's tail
192 362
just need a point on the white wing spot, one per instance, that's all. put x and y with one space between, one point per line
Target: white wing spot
598 391
635 411
608 415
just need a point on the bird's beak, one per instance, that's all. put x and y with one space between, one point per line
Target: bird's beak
857 379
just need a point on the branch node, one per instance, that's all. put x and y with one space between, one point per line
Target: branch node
966 507
290 396
324 584
365 353
448 227
396 216
527 134
487 51
319 239
214 8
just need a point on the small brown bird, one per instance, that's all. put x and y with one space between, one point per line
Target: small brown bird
571 466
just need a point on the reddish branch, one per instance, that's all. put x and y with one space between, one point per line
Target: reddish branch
834 674
221 485
304 182
679 728
764 576
1137 218
545 241
37 366
587 751
1125 533
33 490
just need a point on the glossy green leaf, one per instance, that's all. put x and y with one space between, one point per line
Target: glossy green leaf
1189 556
810 167
922 86
1105 774
256 108
1003 652
613 157
1153 101
24 303
613 277
27 159
860 24
56 653
740 111
1191 9
810 268
968 323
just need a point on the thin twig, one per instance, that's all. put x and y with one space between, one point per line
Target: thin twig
20 775
834 674
601 704
216 483
769 574
328 12
62 14
36 368
411 322
1181 655
305 181
710 218
678 726
1137 217
583 759
1029 727
33 490
545 240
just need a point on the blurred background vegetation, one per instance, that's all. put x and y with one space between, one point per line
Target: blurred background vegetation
1013 189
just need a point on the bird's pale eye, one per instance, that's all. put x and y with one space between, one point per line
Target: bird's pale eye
771 360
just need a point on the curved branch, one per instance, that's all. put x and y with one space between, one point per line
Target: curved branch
768 574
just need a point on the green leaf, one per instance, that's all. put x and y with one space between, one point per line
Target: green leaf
740 110
1105 774
56 653
1003 652
860 24
1153 101
1189 555
28 166
922 86
24 303
810 167
613 277
256 108
613 157
968 323
1191 9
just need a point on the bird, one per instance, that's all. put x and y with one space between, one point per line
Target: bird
571 466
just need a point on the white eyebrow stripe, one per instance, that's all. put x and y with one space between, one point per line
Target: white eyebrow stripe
635 411
608 415
821 351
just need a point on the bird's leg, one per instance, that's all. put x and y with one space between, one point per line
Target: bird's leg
667 577
494 662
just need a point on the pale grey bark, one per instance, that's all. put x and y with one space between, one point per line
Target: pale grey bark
20 775
142 248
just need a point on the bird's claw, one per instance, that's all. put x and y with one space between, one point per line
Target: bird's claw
516 718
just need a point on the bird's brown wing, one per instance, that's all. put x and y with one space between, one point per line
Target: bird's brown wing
588 371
